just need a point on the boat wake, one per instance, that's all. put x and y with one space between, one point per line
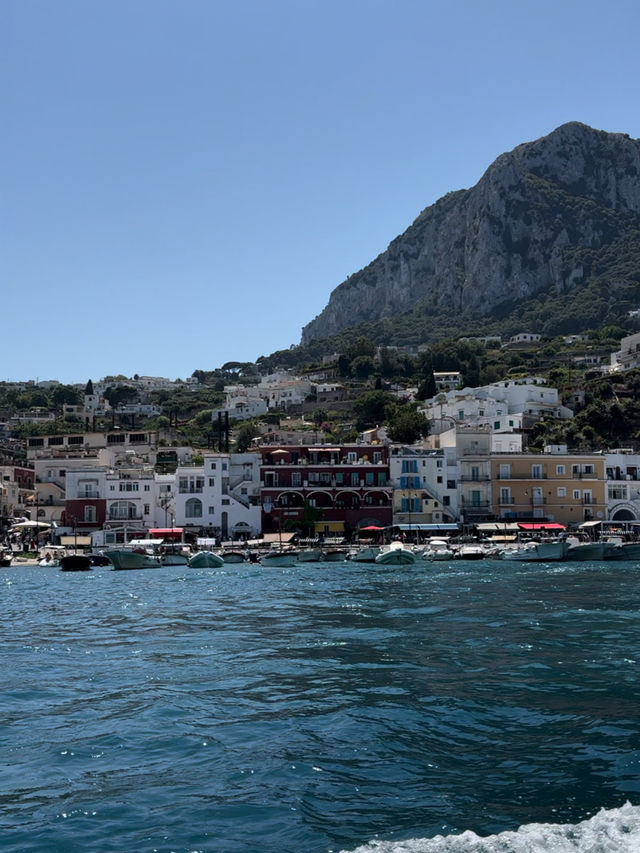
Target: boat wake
609 831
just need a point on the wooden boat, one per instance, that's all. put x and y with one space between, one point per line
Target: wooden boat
205 560
233 555
396 554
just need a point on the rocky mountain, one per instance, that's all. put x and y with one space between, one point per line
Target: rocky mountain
545 220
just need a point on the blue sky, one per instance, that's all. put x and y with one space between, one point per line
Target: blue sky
184 183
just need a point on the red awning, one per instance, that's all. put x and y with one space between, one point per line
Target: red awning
540 525
166 531
372 527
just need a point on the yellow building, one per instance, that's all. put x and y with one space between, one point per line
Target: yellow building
556 486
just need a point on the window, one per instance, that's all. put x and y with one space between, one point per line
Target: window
211 510
212 482
355 480
439 478
536 472
90 513
137 437
146 509
115 438
576 494
587 496
122 510
505 471
451 484
213 466
193 508
587 469
382 478
377 457
496 424
368 478
560 470
128 487
296 478
225 501
505 495
446 500
561 492
75 439
339 478
224 466
352 456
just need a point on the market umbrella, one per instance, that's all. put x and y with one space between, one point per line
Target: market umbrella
21 525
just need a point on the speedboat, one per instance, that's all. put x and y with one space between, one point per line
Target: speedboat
366 554
540 552
470 551
396 554
75 563
437 549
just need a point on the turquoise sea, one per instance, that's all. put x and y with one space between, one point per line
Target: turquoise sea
469 707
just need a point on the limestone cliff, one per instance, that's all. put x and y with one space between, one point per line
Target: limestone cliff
518 232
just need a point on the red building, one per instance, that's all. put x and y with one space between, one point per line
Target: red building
336 489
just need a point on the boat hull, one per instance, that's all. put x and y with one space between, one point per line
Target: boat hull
396 557
365 555
75 563
121 560
337 556
206 560
627 551
589 551
278 560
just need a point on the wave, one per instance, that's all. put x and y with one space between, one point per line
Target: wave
609 831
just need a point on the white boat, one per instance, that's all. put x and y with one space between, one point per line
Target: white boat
437 549
396 554
620 549
279 558
311 555
586 550
470 551
366 554
136 557
6 558
336 555
540 552
205 560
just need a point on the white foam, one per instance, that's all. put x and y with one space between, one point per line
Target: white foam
609 831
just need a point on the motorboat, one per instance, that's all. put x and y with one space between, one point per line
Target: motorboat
279 558
365 554
540 552
311 555
437 549
470 551
205 560
336 555
233 555
75 563
396 554
174 554
6 558
620 549
132 558
587 550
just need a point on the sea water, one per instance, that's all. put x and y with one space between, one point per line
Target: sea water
468 707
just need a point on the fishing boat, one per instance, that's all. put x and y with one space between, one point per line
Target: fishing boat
233 555
205 560
396 554
173 554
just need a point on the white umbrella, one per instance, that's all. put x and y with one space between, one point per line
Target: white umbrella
23 524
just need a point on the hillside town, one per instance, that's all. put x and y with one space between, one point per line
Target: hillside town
473 470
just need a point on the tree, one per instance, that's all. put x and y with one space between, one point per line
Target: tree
371 408
245 435
406 424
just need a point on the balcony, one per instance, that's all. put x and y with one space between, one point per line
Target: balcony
87 495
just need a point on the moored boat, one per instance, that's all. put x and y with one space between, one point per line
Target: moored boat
311 555
396 554
470 551
587 550
541 552
233 555
279 558
205 560
6 558
619 549
75 563
132 558
336 555
365 554
437 549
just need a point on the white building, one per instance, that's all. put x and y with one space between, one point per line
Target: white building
221 496
622 470
628 356
425 485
